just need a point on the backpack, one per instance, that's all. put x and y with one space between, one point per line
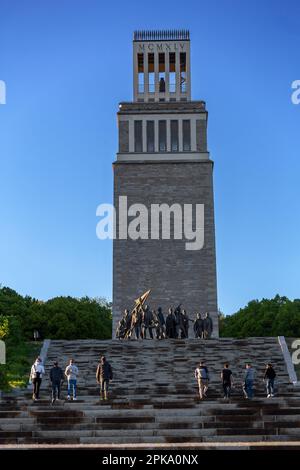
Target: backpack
202 373
37 375
271 373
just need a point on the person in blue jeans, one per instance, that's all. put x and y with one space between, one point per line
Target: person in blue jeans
269 376
249 381
71 373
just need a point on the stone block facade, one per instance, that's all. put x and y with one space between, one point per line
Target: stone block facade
174 274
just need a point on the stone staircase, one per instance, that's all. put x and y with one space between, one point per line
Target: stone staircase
154 396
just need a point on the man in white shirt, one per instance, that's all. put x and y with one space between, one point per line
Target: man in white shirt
71 373
202 377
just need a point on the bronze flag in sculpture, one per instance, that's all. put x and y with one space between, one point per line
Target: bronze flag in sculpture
138 308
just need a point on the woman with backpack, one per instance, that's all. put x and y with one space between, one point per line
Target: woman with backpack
36 373
202 377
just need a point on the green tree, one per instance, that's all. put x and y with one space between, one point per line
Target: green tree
267 317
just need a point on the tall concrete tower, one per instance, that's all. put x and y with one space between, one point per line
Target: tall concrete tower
163 159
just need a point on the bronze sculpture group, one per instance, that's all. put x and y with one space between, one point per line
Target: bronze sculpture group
143 320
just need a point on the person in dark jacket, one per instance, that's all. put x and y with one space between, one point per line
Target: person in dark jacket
148 322
161 320
269 376
198 326
155 322
178 321
170 324
185 324
227 382
137 324
207 326
249 381
103 376
56 378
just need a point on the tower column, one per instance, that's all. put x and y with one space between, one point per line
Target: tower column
166 164
146 75
156 131
167 66
180 139
144 133
168 136
177 68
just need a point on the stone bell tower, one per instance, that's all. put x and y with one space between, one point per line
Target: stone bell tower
163 159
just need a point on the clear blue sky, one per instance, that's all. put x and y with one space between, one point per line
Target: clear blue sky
68 63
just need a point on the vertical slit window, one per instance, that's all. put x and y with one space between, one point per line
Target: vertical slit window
150 136
151 74
174 136
138 136
162 72
162 136
172 72
186 135
140 59
182 72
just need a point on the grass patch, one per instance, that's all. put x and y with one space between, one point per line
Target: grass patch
19 359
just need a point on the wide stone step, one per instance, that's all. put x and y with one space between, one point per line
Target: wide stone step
150 439
142 423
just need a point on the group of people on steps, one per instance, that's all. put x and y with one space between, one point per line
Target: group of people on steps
202 377
104 375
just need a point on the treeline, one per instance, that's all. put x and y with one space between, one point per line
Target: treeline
72 318
267 317
58 318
